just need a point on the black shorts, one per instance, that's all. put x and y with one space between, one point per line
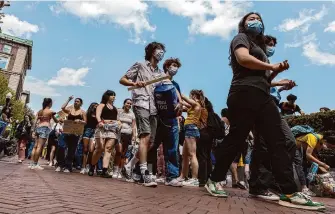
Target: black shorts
126 138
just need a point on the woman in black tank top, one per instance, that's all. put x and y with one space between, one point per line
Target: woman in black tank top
78 115
107 132
88 136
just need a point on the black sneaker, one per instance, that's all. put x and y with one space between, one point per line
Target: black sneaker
136 177
264 194
240 184
126 173
105 175
91 171
148 180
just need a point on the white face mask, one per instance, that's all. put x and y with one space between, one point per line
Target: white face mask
159 54
172 70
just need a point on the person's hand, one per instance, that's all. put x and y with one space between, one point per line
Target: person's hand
280 67
325 166
140 84
101 124
71 98
77 121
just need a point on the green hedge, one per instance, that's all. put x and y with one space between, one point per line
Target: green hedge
322 122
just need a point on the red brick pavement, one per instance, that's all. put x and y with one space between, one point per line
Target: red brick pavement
29 191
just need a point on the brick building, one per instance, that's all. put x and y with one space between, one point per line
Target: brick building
15 60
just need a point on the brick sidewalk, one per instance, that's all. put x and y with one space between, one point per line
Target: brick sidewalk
30 191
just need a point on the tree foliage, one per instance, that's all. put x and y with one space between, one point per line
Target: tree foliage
19 109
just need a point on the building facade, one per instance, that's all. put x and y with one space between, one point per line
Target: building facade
15 61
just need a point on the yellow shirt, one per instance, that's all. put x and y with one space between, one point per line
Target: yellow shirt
309 139
193 117
241 162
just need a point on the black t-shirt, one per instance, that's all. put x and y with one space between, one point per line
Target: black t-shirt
287 109
244 76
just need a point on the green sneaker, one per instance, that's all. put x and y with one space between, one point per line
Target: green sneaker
300 201
215 189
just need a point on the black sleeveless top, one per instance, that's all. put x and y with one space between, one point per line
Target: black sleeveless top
109 114
75 117
91 122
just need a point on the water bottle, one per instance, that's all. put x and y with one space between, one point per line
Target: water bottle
312 172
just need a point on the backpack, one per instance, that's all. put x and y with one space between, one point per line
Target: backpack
300 130
166 100
215 126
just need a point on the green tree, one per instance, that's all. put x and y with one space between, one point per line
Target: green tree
18 106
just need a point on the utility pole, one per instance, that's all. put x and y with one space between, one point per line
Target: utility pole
2 5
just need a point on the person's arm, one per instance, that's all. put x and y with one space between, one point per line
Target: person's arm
129 79
54 117
298 109
64 106
35 122
133 128
311 158
98 114
189 101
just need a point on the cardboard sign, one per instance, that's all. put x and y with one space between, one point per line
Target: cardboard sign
70 127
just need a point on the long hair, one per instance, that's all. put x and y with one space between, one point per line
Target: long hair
46 102
106 95
91 110
151 47
258 40
199 94
208 105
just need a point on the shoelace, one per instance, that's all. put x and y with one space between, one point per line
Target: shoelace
303 195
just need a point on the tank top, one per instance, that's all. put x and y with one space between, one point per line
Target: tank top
109 114
193 117
75 117
91 122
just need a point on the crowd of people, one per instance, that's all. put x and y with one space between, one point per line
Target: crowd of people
196 151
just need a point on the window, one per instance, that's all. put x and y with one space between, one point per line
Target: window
4 60
7 49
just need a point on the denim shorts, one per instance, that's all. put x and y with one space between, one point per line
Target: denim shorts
89 133
191 131
43 132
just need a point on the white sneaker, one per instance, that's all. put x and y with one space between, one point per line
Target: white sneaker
30 165
66 171
115 174
50 164
119 176
175 183
308 192
161 180
58 169
38 167
83 171
19 161
192 182
266 195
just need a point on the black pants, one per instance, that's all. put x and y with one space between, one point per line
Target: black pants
261 170
204 147
66 161
250 107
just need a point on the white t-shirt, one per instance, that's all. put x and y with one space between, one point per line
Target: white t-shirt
126 120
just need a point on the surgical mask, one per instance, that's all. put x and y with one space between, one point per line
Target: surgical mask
270 51
159 54
255 27
172 70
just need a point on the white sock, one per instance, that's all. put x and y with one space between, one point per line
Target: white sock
131 163
143 167
116 169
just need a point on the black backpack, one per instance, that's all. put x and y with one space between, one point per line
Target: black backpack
215 126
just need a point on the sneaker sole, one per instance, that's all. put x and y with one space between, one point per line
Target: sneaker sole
288 204
215 195
263 198
150 185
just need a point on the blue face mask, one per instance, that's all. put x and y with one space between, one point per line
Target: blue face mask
270 51
255 27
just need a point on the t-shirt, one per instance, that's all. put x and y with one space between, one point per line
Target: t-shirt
244 76
166 100
126 120
176 85
287 109
310 139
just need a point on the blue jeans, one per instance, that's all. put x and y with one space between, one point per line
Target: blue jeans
168 134
3 126
79 155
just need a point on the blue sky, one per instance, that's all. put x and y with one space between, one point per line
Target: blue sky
82 49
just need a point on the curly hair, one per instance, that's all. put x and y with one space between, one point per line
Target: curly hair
259 39
269 38
151 47
199 95
169 62
291 97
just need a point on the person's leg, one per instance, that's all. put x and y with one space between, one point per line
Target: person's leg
22 149
297 162
38 150
86 142
52 154
109 145
117 159
202 157
60 153
71 142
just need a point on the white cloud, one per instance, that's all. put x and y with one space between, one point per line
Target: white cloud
306 17
312 52
31 6
298 42
331 27
14 26
39 87
213 18
69 77
131 15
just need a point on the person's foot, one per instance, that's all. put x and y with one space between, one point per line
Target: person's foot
192 182
176 182
50 164
215 189
126 173
265 195
136 177
83 171
66 171
105 175
19 161
115 174
240 184
119 176
99 172
161 180
308 192
301 201
38 167
148 180
31 165
58 169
